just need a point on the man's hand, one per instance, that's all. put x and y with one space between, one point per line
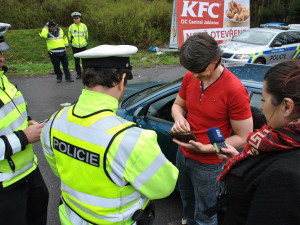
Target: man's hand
33 132
197 146
181 126
228 153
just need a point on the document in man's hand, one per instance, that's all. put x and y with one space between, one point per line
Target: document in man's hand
184 137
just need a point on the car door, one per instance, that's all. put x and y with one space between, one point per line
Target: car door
157 116
279 54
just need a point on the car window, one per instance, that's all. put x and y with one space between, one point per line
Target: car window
293 37
282 37
254 37
162 108
257 114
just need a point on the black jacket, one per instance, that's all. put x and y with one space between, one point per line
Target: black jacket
265 189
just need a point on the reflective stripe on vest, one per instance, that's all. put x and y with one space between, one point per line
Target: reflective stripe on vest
109 202
9 176
75 219
14 141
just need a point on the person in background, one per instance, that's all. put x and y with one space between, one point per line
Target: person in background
57 44
108 166
212 97
78 38
23 193
263 181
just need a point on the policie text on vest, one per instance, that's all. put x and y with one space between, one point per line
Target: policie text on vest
75 152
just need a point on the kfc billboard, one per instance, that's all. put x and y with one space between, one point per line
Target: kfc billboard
222 19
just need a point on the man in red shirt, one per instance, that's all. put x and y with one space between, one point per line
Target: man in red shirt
212 97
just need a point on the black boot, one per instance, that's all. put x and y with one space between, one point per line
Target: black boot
78 76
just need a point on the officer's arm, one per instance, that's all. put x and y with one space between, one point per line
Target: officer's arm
70 35
46 144
87 34
148 170
12 143
45 31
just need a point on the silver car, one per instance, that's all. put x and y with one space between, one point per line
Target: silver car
263 45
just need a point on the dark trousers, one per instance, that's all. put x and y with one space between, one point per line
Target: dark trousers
62 58
77 60
25 203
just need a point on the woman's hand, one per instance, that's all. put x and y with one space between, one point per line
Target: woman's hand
228 153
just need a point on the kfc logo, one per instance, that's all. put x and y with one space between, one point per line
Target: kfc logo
203 7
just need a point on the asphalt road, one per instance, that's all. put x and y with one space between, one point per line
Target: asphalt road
45 96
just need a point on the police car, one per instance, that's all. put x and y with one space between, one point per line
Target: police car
267 44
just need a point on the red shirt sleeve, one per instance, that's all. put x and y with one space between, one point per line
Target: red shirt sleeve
239 104
185 81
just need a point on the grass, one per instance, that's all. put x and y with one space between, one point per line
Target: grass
29 56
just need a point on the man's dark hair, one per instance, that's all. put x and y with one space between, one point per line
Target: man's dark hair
107 77
198 51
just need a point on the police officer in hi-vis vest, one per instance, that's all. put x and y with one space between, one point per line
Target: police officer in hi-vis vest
78 36
23 193
109 167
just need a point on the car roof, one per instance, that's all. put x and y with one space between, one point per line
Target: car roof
268 29
250 72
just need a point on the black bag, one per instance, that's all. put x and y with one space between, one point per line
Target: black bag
146 216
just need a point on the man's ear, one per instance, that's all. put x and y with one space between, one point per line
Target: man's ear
288 106
121 85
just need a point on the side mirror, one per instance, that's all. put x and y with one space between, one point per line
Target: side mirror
276 44
138 115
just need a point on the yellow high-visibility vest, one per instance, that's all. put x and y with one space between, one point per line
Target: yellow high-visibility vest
78 35
55 44
108 167
13 116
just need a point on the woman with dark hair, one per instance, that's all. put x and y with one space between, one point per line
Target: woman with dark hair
262 183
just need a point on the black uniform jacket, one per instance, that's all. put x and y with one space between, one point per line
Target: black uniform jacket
265 189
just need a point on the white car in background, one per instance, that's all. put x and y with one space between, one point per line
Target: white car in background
262 45
294 26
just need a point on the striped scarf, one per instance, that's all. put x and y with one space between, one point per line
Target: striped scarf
266 139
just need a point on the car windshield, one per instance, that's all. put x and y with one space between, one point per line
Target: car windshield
254 37
150 91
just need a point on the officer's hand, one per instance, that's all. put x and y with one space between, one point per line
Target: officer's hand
32 122
33 132
67 48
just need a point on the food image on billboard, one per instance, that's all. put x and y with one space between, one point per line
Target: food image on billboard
222 19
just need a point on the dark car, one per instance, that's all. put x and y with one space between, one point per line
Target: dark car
149 104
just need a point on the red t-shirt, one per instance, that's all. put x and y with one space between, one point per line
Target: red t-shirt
223 100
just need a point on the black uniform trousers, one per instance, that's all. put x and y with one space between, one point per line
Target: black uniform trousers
77 60
26 202
56 59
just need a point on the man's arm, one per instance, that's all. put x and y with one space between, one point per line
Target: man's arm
18 140
70 34
241 128
45 31
139 161
181 125
46 145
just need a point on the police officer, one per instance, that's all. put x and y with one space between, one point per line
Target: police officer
78 37
23 193
57 44
109 167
